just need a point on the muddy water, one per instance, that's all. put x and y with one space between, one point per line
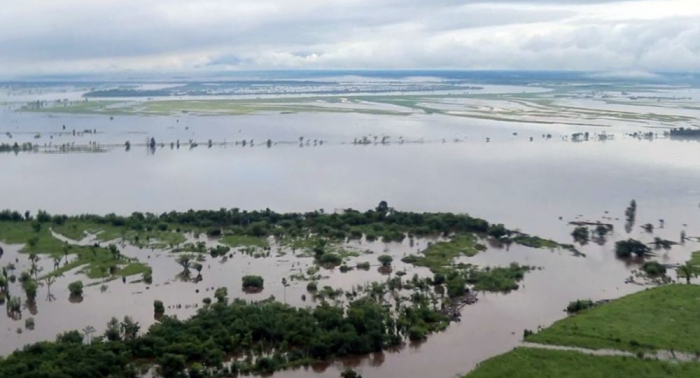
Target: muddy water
526 185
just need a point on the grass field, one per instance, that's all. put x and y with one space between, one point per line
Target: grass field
541 363
440 255
663 318
95 261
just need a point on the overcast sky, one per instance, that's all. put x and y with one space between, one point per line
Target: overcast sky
104 36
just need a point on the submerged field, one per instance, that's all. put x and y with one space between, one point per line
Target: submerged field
514 155
593 105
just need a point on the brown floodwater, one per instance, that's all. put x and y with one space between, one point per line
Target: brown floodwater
525 185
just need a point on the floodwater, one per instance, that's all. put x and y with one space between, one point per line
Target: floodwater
536 186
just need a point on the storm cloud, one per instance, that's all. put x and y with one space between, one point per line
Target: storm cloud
87 36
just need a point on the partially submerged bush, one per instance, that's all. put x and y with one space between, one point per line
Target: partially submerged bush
579 305
158 307
76 288
385 260
629 247
653 268
253 282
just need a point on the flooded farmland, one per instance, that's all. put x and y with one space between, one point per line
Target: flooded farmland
529 176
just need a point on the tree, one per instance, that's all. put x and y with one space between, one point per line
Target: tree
158 307
185 260
629 247
385 260
221 294
383 207
129 328
114 251
497 231
688 271
171 365
580 234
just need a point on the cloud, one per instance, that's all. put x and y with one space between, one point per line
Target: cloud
112 36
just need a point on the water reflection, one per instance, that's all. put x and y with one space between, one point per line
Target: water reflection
537 186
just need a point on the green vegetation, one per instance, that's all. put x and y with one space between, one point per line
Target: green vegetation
253 282
235 241
661 318
581 234
629 247
158 308
542 363
499 279
441 255
271 335
535 242
654 269
579 305
76 288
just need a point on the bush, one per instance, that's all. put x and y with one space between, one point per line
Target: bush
385 260
30 288
456 287
580 234
497 231
148 277
653 268
221 294
171 365
629 247
579 305
158 307
363 265
76 288
312 286
438 279
253 282
330 259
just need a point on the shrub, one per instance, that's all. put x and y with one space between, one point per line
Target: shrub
221 294
580 234
76 288
253 282
629 247
330 259
312 286
385 260
456 287
579 305
158 307
653 268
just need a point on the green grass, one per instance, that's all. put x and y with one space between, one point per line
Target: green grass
235 241
535 242
664 318
76 230
541 363
440 255
695 259
94 260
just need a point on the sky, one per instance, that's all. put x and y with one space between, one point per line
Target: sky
638 37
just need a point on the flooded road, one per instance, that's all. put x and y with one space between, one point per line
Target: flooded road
536 186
